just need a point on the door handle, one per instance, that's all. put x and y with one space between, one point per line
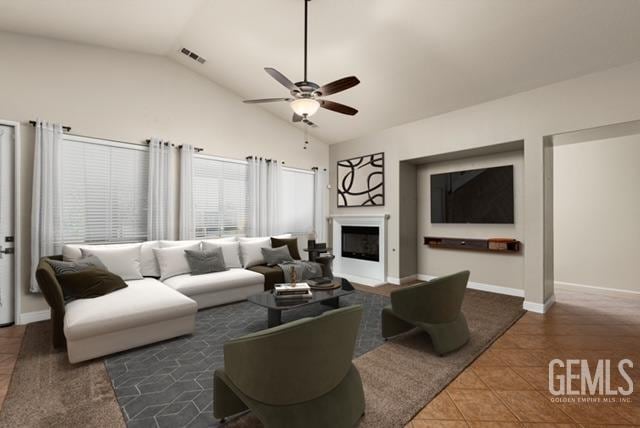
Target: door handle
6 251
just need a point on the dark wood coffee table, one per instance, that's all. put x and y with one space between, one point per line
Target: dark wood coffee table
275 307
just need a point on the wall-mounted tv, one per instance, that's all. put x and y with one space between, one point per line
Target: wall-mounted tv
473 196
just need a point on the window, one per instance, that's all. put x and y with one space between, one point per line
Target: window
219 196
297 199
104 191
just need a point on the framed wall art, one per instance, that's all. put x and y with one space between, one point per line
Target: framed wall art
361 181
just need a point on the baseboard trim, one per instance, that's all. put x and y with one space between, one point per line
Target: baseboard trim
539 308
593 288
399 281
360 280
29 317
498 289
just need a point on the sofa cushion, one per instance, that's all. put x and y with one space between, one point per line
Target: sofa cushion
123 261
143 302
272 275
191 285
250 250
202 262
89 283
61 267
290 243
148 264
275 256
169 244
173 260
230 251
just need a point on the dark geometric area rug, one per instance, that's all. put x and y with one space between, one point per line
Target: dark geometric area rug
170 384
399 376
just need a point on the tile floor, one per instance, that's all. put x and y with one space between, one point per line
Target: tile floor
507 386
10 341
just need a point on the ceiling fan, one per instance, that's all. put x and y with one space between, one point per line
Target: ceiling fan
306 96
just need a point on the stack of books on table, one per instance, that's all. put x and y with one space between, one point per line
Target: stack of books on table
292 292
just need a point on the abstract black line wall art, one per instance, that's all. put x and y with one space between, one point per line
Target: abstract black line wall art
361 181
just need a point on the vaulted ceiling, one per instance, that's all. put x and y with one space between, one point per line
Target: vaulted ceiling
415 58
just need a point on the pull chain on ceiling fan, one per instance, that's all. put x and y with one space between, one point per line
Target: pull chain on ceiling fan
306 96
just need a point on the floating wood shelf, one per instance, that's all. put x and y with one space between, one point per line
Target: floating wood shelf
494 245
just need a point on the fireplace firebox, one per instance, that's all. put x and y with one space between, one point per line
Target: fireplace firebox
361 242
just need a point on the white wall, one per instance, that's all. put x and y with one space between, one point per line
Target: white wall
598 99
597 213
125 96
505 270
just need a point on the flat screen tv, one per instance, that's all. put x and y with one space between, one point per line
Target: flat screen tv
473 196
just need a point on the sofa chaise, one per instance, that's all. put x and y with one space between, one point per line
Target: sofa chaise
144 312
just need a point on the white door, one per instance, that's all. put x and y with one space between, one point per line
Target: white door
7 171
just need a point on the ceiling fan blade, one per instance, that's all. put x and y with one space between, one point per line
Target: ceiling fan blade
308 122
281 78
266 100
337 107
296 118
338 86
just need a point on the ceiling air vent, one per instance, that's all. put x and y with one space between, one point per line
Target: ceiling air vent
194 56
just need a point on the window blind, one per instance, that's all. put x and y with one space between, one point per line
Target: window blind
219 197
103 191
296 206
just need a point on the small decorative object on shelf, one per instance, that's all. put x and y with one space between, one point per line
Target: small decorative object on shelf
294 276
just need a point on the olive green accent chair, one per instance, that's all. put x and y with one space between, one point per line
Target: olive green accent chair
298 374
433 306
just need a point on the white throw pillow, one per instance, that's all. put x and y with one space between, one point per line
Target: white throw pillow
173 261
123 261
148 263
250 250
284 236
168 244
230 251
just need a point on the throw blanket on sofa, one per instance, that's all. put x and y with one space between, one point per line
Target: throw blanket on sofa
304 270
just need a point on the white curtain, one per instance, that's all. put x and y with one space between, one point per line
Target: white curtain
46 215
320 197
263 183
187 227
160 212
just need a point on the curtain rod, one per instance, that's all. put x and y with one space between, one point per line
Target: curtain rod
64 128
166 143
314 168
195 149
260 158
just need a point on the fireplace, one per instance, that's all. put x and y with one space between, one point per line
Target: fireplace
361 242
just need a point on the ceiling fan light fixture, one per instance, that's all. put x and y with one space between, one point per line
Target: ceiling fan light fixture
305 107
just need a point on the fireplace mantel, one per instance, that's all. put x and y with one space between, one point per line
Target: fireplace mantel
366 272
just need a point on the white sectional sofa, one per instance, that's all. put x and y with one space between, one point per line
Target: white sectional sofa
218 288
151 308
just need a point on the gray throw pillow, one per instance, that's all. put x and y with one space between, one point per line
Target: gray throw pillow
62 268
201 262
274 256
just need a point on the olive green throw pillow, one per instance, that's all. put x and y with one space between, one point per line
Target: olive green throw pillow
89 283
62 268
291 243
